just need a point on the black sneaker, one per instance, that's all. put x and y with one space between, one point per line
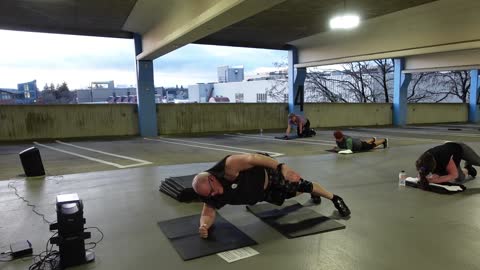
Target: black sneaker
385 143
316 199
471 170
313 132
341 206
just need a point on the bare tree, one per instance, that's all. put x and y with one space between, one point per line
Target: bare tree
457 84
383 76
321 88
372 81
279 89
419 88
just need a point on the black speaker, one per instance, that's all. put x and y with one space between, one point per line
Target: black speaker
32 162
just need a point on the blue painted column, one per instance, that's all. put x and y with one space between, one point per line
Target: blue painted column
400 87
474 92
296 82
147 109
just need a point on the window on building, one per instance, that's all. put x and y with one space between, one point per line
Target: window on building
285 98
239 97
27 94
261 97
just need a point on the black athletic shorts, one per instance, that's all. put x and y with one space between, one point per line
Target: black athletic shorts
367 146
279 189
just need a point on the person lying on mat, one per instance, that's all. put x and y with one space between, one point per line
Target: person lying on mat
303 126
357 145
250 178
442 163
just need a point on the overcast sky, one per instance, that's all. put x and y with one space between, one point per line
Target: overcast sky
79 60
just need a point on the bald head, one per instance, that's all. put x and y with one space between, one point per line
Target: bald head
200 184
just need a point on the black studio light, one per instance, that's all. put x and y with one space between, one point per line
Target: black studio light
71 235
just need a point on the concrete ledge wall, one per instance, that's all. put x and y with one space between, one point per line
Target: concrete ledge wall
348 114
67 121
204 117
424 113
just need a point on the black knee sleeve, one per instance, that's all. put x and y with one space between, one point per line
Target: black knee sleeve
305 186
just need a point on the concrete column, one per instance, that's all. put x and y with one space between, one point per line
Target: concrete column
400 87
147 109
474 92
296 82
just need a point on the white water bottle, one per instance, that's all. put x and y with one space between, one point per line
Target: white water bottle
401 178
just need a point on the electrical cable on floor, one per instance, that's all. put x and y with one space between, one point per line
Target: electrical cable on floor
49 258
11 185
95 242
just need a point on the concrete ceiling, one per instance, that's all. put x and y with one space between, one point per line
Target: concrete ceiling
168 24
294 19
79 17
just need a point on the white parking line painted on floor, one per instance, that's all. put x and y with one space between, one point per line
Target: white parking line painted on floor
430 133
106 153
381 136
90 158
210 148
198 146
311 139
277 140
275 154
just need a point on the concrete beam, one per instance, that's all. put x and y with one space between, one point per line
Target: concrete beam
400 87
296 83
453 60
180 22
474 92
439 26
147 114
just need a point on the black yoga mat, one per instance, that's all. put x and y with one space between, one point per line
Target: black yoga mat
181 182
438 188
293 220
183 234
286 138
179 188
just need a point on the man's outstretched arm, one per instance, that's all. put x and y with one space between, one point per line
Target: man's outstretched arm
207 218
288 130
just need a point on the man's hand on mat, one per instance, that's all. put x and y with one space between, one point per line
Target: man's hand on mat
289 174
433 177
203 231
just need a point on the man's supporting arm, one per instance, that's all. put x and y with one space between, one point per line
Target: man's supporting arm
207 219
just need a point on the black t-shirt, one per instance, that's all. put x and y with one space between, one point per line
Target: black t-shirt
247 188
442 155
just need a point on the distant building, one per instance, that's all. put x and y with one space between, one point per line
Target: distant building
7 96
255 91
26 93
219 100
29 91
230 74
104 92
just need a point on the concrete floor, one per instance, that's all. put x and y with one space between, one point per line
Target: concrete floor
390 227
